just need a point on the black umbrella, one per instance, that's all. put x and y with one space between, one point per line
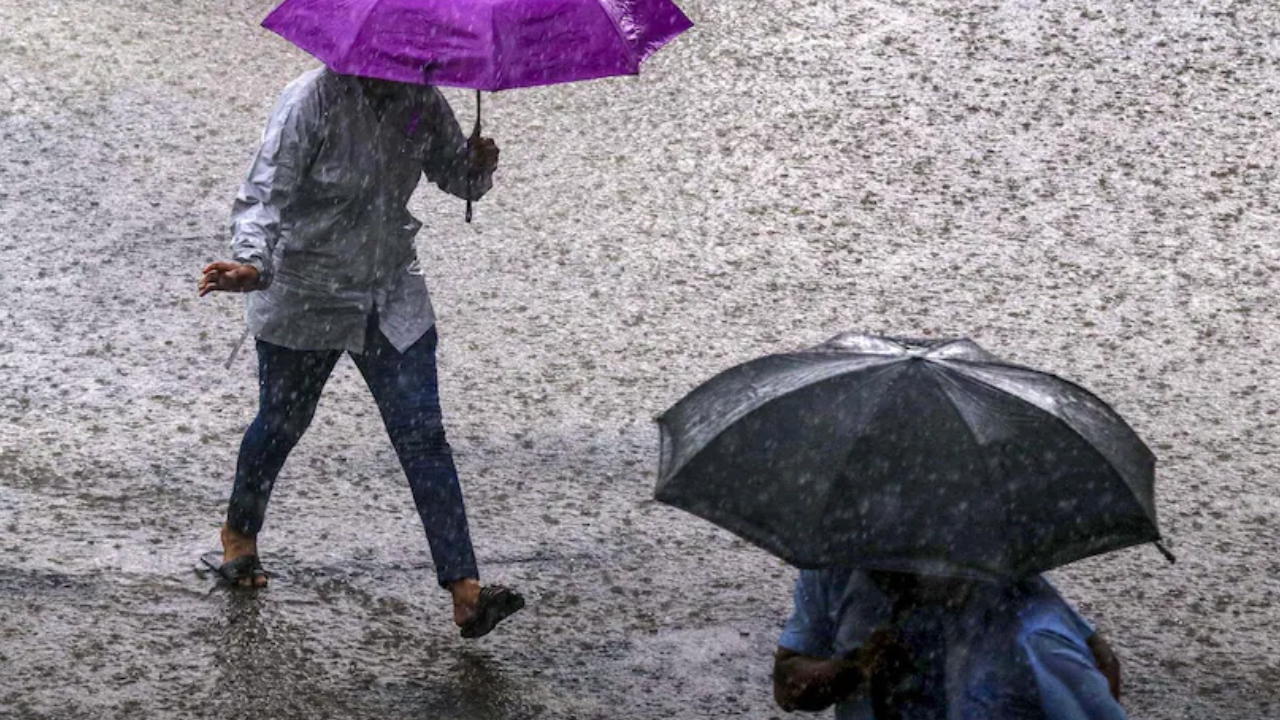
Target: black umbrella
923 456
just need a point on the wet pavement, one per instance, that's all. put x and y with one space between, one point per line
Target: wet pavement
1089 189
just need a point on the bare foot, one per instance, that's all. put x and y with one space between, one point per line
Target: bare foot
466 595
235 545
477 610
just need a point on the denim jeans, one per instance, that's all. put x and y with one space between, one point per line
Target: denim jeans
404 385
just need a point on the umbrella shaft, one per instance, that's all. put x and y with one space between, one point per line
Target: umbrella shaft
475 137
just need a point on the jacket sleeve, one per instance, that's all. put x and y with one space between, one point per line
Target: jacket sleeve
280 164
809 632
1071 685
446 163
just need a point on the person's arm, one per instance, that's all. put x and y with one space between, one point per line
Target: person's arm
803 682
281 163
1070 682
806 673
1107 662
804 676
1103 656
456 165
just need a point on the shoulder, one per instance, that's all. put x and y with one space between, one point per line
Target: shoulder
310 85
1042 610
309 94
312 79
296 119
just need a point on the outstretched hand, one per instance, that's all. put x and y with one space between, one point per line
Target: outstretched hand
229 277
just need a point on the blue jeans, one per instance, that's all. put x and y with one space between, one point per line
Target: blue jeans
404 385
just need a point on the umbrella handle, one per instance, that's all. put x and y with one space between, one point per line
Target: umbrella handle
475 137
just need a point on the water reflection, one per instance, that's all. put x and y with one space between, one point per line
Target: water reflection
473 686
272 664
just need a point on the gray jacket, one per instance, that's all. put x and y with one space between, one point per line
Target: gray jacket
322 214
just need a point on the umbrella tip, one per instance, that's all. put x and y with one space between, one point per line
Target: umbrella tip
1165 551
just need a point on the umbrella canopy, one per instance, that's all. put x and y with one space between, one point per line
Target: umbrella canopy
480 44
923 456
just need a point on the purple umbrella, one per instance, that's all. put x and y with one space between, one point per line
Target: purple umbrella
480 44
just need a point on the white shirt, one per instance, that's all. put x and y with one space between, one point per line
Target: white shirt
322 213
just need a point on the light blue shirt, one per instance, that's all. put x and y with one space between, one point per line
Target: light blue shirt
1010 653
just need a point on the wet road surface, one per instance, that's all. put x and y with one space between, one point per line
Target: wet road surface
1090 189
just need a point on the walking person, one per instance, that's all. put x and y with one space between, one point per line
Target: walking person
323 243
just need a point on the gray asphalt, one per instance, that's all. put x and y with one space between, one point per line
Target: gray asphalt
1089 188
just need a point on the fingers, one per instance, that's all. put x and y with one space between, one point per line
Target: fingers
220 267
209 281
211 277
228 277
218 280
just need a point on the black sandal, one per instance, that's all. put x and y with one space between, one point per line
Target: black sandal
239 569
495 605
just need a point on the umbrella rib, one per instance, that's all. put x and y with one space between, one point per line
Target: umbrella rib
973 434
495 58
796 381
605 7
355 37
867 417
1061 420
963 365
1090 447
